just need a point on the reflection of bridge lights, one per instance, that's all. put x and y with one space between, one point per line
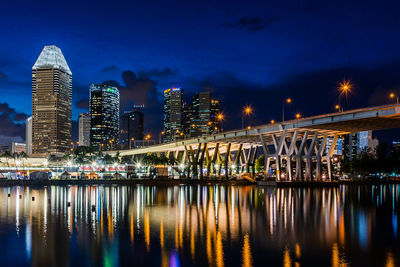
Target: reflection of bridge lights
233 166
138 165
283 175
216 166
94 163
323 176
69 163
182 166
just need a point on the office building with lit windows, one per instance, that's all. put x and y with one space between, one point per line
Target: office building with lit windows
131 128
104 104
204 117
51 103
173 111
84 129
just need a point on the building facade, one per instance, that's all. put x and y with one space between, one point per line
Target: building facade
28 135
356 142
51 103
204 115
104 104
173 109
16 147
84 129
131 128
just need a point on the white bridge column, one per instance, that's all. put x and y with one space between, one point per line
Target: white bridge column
309 157
299 157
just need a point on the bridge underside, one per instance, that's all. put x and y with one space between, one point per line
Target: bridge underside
294 150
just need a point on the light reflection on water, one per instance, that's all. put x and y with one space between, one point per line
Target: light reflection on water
199 225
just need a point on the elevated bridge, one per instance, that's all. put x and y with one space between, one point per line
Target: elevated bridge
300 149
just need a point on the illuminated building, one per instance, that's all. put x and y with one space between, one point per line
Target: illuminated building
104 111
17 147
356 142
187 118
51 103
173 109
84 129
28 135
204 120
131 128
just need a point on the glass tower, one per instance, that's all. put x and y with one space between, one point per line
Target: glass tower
173 109
51 103
104 111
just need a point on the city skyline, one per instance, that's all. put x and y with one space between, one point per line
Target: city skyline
281 63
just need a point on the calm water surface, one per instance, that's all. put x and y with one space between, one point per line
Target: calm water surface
199 225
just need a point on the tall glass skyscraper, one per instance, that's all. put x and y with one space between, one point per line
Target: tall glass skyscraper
204 115
173 111
104 111
51 103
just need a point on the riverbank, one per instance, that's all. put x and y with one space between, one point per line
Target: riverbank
168 182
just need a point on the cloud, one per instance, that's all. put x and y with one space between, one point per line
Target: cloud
313 93
112 68
83 103
20 117
136 90
11 128
157 73
252 24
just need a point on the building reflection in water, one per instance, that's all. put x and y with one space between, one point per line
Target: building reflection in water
213 225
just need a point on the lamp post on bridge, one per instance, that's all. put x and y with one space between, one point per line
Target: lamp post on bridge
287 101
247 111
393 96
344 88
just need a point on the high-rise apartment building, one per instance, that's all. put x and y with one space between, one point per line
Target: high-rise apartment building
28 135
173 109
104 111
84 129
131 128
51 103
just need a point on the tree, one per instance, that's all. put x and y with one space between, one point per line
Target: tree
259 164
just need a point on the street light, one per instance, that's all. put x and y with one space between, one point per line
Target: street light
246 112
161 134
272 121
220 118
298 116
130 142
337 107
345 88
393 96
287 101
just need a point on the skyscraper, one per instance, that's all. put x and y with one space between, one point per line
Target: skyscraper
28 135
204 117
104 111
51 103
173 107
131 128
84 129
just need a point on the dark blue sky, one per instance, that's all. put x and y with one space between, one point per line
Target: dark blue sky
245 52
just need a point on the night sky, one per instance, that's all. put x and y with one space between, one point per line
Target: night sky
245 52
